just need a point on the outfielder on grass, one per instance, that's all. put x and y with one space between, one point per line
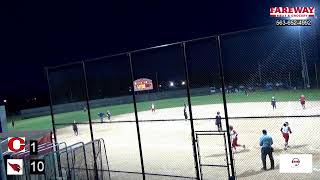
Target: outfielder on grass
101 116
152 108
109 115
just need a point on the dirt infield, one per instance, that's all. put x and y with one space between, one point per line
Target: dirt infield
167 146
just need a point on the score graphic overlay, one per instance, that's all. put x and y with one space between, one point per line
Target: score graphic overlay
14 167
16 144
33 147
142 84
37 166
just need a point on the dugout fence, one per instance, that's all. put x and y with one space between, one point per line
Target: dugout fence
236 74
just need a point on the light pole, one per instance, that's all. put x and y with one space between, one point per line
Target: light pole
305 74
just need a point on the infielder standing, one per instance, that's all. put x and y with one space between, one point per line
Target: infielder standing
234 139
285 129
185 113
273 102
218 121
303 101
75 128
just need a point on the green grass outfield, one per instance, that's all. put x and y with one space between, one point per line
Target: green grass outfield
44 122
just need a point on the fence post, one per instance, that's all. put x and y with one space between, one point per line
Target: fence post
190 111
225 107
136 116
52 120
90 121
51 106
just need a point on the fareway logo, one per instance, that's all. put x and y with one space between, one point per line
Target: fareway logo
292 11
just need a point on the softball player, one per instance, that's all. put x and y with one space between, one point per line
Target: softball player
273 102
234 139
75 128
285 130
302 101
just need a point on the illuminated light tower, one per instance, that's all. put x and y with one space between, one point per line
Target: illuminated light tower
304 72
183 83
171 84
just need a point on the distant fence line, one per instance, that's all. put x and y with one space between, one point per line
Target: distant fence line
76 106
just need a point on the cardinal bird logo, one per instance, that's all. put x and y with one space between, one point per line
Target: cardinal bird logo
15 167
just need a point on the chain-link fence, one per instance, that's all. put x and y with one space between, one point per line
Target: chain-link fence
148 105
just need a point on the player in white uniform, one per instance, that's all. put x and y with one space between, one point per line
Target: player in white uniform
285 130
234 139
152 108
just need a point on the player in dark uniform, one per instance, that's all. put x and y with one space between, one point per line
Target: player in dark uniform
101 116
75 128
109 115
218 121
273 102
12 122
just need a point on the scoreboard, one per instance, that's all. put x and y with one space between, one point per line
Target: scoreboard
142 84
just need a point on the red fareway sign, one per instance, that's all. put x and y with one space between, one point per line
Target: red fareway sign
142 84
292 11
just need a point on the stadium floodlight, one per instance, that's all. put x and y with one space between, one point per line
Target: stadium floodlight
171 83
5 101
183 83
160 85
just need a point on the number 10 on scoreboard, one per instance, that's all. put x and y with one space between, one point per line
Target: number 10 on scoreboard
37 166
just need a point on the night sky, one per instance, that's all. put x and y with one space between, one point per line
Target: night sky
36 34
